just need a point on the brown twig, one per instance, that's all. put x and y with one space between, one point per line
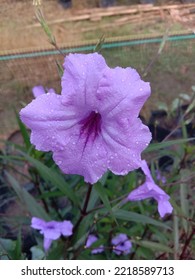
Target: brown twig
182 256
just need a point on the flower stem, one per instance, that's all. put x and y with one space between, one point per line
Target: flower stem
84 209
83 213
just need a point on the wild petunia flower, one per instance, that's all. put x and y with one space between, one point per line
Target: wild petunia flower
122 245
150 190
93 125
51 230
92 239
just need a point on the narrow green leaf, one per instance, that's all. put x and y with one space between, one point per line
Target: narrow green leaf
161 145
99 44
183 197
54 177
60 69
18 248
27 199
138 218
24 132
103 196
176 234
154 246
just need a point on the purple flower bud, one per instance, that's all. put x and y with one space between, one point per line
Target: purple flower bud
39 90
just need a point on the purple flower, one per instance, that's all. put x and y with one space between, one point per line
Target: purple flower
150 190
92 239
122 245
39 90
160 178
51 230
93 125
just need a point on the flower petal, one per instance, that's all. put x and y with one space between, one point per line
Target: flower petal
66 228
150 190
81 79
125 139
37 91
89 160
37 223
122 245
51 123
121 92
92 239
52 230
47 243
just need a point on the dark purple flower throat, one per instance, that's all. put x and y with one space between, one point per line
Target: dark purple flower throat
91 126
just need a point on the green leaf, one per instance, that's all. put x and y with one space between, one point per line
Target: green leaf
103 196
138 218
176 234
56 251
154 246
27 199
53 177
18 248
37 253
24 132
99 44
185 173
162 145
60 69
7 246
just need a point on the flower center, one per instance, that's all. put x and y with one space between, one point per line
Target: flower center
50 227
91 126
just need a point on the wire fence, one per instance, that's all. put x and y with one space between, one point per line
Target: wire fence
172 72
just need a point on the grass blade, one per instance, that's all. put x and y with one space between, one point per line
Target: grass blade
27 199
53 177
157 146
138 218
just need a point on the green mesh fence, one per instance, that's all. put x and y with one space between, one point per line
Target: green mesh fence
172 72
